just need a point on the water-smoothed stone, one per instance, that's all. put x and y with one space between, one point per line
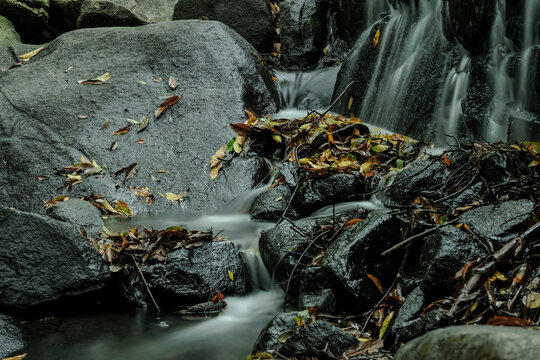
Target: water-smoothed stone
473 342
193 275
271 204
278 250
11 337
411 307
250 18
471 22
63 15
316 291
8 35
7 59
302 32
356 253
416 180
29 17
494 167
40 104
324 191
268 338
44 259
499 221
101 13
416 327
79 213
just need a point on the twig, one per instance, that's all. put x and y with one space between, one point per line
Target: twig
337 99
417 236
289 203
146 284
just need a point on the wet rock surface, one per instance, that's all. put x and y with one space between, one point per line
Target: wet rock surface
11 337
79 213
29 17
45 260
471 22
271 204
8 35
100 13
476 342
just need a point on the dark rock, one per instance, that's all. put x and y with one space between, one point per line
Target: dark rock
499 221
268 338
206 308
356 253
192 275
11 337
302 32
471 22
101 13
532 85
8 35
63 15
315 291
250 18
29 17
44 259
493 166
154 11
356 16
318 339
411 307
324 191
416 180
443 254
7 59
79 213
290 172
473 342
271 204
415 328
214 66
467 197
277 247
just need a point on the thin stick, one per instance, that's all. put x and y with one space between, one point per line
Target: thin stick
146 284
417 236
337 99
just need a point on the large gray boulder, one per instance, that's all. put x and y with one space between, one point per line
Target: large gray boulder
8 35
98 13
11 337
473 342
79 213
43 260
41 102
250 18
29 17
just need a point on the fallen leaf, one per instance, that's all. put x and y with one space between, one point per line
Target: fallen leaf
31 54
105 125
42 177
96 81
143 124
166 104
140 191
18 357
376 282
376 38
141 141
176 197
113 146
123 130
218 297
157 80
231 275
285 336
532 300
351 223
133 121
385 324
83 117
108 206
161 172
349 106
173 83
508 321
379 148
85 161
68 69
141 82
131 171
447 161
123 207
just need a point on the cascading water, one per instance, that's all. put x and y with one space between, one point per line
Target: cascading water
373 10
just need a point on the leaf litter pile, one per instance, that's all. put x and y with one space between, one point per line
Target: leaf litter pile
502 288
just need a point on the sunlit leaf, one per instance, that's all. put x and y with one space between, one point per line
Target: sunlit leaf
141 141
82 117
166 104
85 160
351 223
31 54
218 156
109 208
237 147
231 275
218 297
173 83
123 130
214 172
96 81
447 161
176 197
375 41
277 138
385 324
534 163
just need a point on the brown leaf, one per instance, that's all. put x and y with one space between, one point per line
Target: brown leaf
173 83
447 161
123 130
508 321
158 80
123 207
376 282
42 177
105 125
141 141
131 171
113 146
166 104
351 223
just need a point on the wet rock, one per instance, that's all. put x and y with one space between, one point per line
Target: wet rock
443 254
493 166
332 189
354 17
278 251
496 222
414 328
29 17
271 204
411 307
11 337
8 35
315 291
319 339
291 173
79 213
250 18
154 11
214 66
206 308
356 253
471 22
268 338
193 275
302 32
416 180
466 198
63 15
100 13
7 59
44 259
532 98
473 342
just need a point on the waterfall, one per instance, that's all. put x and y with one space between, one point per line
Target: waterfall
373 10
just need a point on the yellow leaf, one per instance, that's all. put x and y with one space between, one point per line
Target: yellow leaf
376 38
220 154
231 275
109 207
215 171
29 55
96 81
385 324
277 138
18 357
176 197
350 103
532 300
237 147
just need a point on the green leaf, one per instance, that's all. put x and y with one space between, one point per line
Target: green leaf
385 324
135 122
400 163
237 147
5 163
379 148
285 336
142 82
230 144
